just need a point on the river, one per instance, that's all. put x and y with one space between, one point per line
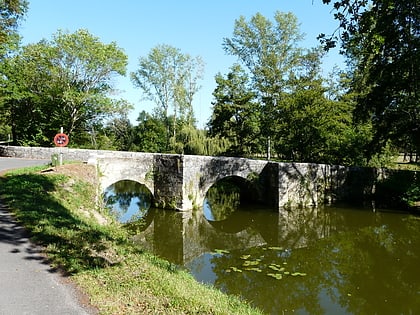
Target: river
331 260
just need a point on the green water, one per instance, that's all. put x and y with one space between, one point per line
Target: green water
307 261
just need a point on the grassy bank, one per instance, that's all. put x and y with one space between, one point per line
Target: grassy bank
58 208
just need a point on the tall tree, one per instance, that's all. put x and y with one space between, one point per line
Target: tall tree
295 113
169 78
235 114
11 13
310 127
381 39
271 53
122 133
63 82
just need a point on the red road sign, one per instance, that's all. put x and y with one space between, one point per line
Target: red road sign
61 140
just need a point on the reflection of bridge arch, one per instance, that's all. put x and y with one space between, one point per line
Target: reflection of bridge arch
230 225
146 221
121 195
186 235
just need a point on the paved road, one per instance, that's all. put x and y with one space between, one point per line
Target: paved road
28 285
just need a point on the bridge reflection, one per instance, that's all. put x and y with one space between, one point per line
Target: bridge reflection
181 237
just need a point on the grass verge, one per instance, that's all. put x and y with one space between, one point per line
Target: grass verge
58 208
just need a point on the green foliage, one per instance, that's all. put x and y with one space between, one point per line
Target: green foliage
223 198
11 12
63 82
285 100
312 128
122 133
382 42
70 241
170 78
236 114
412 196
271 55
150 134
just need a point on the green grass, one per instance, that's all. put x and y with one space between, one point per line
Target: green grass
119 278
405 166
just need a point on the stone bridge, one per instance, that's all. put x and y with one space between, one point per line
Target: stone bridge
181 181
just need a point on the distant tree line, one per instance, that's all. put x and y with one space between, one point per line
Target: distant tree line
274 99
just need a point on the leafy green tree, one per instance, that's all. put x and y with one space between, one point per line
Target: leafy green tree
304 120
150 134
235 114
295 113
63 82
270 53
170 79
122 133
11 12
312 124
381 39
197 142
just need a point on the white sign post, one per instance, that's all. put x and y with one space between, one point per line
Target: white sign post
61 140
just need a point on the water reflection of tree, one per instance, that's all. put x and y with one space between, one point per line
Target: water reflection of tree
367 270
377 272
118 198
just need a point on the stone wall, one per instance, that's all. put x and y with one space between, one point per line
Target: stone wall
168 180
47 153
308 184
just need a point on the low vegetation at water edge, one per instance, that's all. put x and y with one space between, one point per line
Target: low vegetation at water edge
58 208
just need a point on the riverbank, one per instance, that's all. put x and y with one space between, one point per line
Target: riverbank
57 206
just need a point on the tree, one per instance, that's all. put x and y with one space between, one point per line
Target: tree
122 133
11 12
150 134
312 125
170 78
294 110
381 39
235 114
63 82
270 53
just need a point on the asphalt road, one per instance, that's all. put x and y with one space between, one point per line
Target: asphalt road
28 284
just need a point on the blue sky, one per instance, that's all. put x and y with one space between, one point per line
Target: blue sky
195 27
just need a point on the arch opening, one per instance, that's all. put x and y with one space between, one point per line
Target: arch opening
227 196
127 200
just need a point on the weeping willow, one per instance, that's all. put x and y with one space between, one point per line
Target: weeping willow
194 141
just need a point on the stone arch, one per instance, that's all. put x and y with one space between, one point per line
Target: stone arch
201 172
113 170
238 179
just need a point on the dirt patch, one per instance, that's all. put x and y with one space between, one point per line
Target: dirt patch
77 171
